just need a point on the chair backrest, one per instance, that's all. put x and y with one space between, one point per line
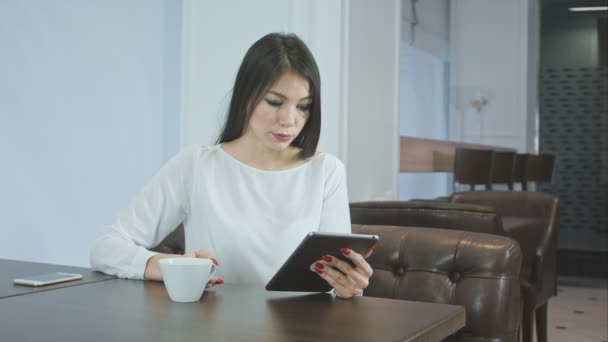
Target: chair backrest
519 170
475 270
536 168
539 168
433 214
473 167
502 170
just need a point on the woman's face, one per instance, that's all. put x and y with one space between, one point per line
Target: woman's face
281 114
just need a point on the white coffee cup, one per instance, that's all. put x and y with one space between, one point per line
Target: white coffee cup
186 278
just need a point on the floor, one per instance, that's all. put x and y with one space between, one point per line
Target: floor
579 312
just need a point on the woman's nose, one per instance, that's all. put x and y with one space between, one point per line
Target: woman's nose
287 116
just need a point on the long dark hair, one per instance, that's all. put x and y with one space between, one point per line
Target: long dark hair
264 63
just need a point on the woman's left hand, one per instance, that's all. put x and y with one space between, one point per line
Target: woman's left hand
352 280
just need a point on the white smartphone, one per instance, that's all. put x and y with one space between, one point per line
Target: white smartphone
47 279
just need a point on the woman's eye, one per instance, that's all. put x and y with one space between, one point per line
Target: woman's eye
304 108
273 102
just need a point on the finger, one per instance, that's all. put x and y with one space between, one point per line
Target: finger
357 276
336 276
371 250
349 294
203 254
341 290
215 281
360 264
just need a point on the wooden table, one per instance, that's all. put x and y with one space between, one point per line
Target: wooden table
128 310
11 269
431 155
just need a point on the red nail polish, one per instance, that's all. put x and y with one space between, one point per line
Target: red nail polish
327 258
319 265
215 262
345 251
220 281
318 270
371 250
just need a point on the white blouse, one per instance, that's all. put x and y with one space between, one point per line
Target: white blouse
250 219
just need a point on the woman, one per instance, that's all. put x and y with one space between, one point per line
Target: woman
249 200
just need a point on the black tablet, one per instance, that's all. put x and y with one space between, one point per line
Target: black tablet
296 274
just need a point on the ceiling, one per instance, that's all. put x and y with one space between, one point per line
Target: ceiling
548 4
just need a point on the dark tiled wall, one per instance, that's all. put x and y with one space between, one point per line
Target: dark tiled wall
574 127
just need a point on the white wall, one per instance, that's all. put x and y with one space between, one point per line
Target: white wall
373 95
85 98
494 53
431 33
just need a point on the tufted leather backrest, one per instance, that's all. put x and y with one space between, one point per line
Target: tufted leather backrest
433 214
532 219
475 270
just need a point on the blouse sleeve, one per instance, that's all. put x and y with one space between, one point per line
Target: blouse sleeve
122 249
335 215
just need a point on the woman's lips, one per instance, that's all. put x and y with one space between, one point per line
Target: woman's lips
281 137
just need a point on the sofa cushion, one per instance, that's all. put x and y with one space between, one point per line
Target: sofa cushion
477 271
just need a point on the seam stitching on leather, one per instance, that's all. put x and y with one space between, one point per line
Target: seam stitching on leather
454 264
474 213
401 247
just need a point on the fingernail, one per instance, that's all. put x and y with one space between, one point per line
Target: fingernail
319 265
220 281
371 250
345 251
318 270
215 262
327 258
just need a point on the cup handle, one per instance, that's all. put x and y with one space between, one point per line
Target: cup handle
213 268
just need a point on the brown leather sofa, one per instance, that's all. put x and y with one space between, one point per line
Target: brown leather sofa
531 218
475 270
425 213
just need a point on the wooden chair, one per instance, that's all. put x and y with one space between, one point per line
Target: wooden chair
539 168
519 169
536 168
503 168
473 167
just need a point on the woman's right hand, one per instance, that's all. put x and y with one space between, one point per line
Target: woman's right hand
206 255
152 271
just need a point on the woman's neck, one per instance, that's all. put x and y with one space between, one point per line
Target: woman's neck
260 157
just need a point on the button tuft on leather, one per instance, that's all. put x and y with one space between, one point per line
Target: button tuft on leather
455 276
400 271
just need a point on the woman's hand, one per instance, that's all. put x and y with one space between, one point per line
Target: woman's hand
352 280
207 255
152 271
